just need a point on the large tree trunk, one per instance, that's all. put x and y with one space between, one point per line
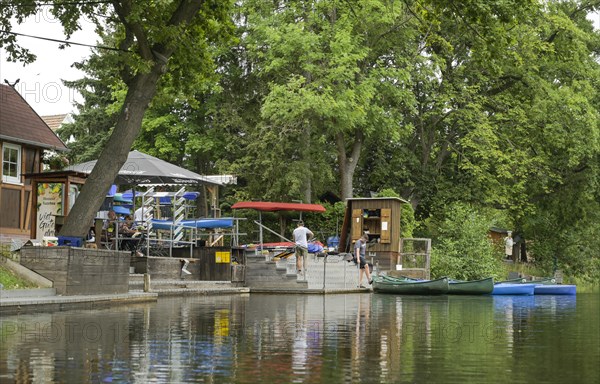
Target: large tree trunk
347 164
114 154
141 90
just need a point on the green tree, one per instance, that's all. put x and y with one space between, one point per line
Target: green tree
155 37
462 248
98 112
334 72
506 117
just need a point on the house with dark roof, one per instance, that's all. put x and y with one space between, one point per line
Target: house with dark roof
24 137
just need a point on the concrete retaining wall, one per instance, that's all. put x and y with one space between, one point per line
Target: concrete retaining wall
80 271
204 265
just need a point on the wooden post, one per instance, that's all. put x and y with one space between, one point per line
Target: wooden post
146 282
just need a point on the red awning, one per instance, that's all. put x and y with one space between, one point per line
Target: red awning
271 206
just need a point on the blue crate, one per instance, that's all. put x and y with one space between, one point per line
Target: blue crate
70 241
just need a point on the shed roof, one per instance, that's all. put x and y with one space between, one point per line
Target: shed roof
19 123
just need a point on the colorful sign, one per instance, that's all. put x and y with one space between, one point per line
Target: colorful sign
223 257
49 204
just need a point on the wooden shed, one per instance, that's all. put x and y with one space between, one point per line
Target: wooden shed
380 219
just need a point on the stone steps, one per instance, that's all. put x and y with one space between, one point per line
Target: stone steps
331 274
269 274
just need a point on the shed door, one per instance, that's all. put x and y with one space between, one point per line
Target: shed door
386 215
356 224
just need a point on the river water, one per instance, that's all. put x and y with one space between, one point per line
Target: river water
349 338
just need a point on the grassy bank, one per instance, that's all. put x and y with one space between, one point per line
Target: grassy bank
524 269
11 281
7 277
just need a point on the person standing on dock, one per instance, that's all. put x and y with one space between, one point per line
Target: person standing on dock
360 250
301 236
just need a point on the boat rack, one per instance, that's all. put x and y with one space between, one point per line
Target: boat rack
414 259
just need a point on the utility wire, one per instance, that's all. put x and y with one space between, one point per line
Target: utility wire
41 4
65 41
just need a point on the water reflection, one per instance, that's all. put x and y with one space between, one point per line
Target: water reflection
308 339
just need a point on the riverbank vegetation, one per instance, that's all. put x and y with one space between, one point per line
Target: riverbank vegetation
479 113
8 278
11 281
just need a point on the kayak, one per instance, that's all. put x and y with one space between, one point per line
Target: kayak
513 289
410 286
471 287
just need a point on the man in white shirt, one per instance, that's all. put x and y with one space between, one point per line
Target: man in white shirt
301 236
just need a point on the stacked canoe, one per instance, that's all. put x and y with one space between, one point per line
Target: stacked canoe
444 285
471 287
406 285
545 286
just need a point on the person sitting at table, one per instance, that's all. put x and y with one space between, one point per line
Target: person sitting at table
108 229
130 239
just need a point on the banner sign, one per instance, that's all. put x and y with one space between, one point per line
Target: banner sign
49 204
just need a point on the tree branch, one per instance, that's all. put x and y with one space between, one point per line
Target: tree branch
123 10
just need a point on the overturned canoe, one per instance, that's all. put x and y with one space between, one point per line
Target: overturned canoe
471 287
555 289
513 289
410 287
546 286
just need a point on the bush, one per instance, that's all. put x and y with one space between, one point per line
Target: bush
462 248
574 248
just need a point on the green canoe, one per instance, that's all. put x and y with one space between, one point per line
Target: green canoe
471 287
410 286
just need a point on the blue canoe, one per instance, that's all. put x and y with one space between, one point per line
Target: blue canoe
198 223
513 289
546 286
119 210
555 289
